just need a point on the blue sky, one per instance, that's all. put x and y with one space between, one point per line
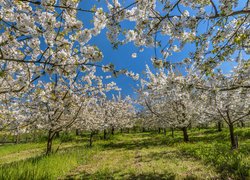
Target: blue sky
121 57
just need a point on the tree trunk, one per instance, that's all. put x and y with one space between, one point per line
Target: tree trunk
34 136
91 139
4 139
159 130
77 132
219 126
172 130
17 139
164 131
234 143
185 134
190 126
49 146
49 142
143 129
121 130
112 130
104 134
242 124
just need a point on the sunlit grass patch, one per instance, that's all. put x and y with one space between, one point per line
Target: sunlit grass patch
15 148
45 167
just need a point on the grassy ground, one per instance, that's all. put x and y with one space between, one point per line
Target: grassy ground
132 156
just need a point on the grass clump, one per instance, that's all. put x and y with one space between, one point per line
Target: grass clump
44 167
228 162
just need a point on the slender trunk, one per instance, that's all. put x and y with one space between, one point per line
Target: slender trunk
128 130
159 130
190 126
172 132
17 138
104 134
219 126
112 130
34 136
185 134
49 142
77 132
242 124
234 143
91 138
49 146
121 130
143 129
4 139
164 131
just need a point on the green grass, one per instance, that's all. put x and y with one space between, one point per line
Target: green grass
214 148
15 148
132 156
139 156
16 152
44 167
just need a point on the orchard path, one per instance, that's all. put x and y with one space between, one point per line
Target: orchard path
141 157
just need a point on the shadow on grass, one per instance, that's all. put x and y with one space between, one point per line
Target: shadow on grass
172 154
126 176
151 176
219 136
210 138
146 142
